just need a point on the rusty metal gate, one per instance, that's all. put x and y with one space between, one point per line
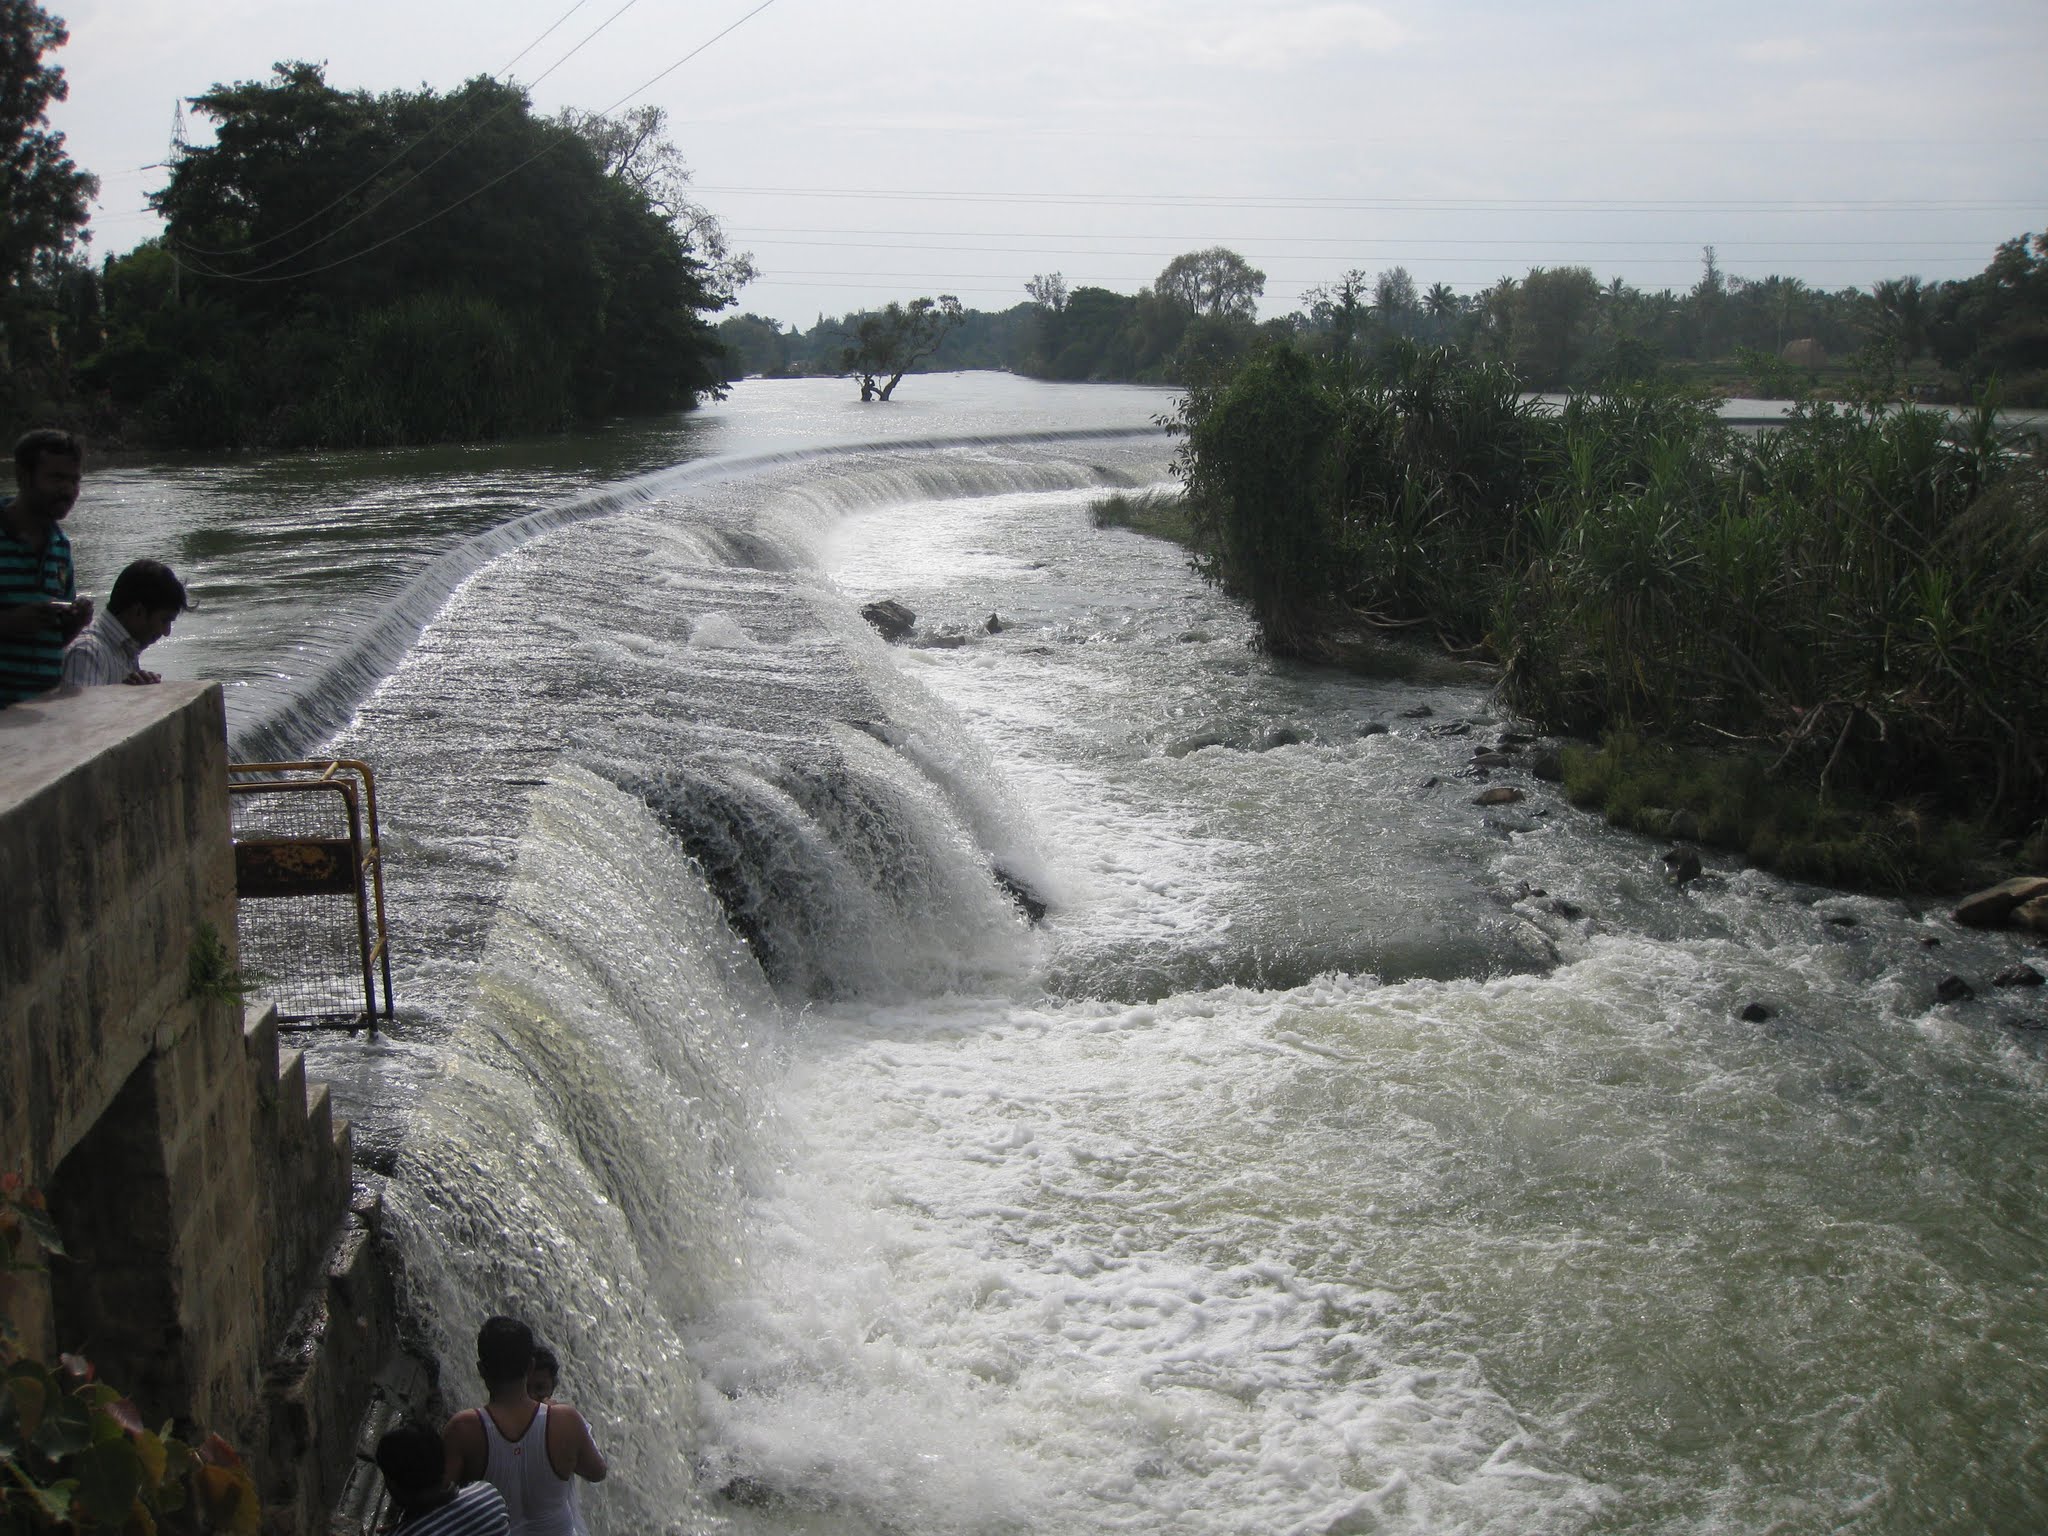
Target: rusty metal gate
309 875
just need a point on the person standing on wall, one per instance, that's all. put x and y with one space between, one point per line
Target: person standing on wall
146 600
531 1452
39 605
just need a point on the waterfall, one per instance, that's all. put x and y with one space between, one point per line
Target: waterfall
580 1156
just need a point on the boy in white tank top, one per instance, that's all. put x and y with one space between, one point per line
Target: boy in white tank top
531 1452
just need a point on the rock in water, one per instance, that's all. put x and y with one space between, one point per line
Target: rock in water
1953 989
1500 794
2021 975
1990 907
1755 1013
1029 902
1682 865
891 619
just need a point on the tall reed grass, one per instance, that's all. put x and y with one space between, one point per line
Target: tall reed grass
1858 600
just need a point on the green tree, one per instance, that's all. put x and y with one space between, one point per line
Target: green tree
1395 303
896 339
43 197
1213 282
1553 325
415 266
631 148
1901 306
1049 289
1340 310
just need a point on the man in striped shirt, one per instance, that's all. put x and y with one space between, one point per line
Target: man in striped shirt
416 1473
39 610
146 600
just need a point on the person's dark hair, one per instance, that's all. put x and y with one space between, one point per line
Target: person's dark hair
147 584
504 1350
412 1461
30 447
544 1360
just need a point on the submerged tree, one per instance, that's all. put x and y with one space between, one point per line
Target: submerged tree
896 339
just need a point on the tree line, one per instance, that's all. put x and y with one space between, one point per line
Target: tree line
1557 328
343 268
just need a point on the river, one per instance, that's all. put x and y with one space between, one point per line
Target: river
1338 1155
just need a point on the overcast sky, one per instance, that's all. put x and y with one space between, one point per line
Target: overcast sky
865 152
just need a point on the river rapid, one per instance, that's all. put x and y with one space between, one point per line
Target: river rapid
1337 1155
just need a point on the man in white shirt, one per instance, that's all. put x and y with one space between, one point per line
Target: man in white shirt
145 602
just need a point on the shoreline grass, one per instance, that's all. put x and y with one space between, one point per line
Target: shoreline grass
1158 514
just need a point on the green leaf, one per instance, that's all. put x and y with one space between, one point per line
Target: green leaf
109 1477
66 1429
28 1396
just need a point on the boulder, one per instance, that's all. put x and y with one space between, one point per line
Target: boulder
1373 728
1682 827
1281 736
1682 865
891 619
1198 742
1754 1013
2022 975
2032 915
994 625
1419 712
1500 794
1991 907
1953 989
1547 764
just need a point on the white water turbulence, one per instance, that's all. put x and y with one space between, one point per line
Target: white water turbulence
1336 1155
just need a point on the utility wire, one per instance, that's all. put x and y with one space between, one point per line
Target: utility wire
1305 202
434 128
253 277
767 231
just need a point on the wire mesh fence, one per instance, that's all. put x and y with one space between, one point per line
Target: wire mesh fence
307 874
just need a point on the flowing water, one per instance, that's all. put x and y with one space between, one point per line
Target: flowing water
1337 1155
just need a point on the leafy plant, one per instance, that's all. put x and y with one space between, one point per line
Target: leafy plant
211 975
74 1453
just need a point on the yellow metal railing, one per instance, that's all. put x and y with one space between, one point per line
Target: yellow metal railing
306 836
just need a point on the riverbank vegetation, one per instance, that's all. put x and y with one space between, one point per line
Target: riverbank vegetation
1827 642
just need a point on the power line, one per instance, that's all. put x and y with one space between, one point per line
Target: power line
1251 250
435 127
245 277
1306 202
758 230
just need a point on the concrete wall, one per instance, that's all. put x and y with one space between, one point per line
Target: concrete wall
199 1188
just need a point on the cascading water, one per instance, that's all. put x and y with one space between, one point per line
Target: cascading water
1338 1155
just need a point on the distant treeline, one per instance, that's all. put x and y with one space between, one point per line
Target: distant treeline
1557 328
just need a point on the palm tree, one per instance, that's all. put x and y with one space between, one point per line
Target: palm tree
1442 305
1902 319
